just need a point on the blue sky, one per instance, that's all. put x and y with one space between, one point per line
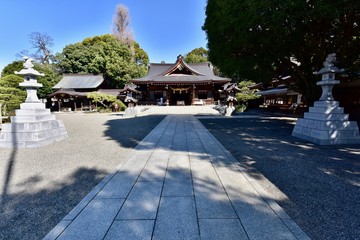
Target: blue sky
163 28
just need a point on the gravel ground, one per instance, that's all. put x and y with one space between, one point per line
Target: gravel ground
40 186
318 186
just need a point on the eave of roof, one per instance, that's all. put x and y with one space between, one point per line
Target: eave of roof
277 91
191 79
69 92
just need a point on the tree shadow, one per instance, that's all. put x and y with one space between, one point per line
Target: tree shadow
31 214
321 182
172 198
128 132
28 215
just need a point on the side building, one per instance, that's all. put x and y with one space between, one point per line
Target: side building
180 83
71 92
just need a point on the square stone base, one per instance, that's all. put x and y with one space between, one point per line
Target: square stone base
326 124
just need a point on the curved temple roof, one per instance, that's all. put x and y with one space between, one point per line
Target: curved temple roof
180 72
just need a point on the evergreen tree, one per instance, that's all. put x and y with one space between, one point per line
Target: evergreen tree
104 55
197 55
11 95
259 40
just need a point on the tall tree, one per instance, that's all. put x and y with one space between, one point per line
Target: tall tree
121 29
104 55
12 67
197 55
259 40
42 43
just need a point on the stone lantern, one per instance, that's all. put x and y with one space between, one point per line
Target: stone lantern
30 83
328 78
326 123
33 125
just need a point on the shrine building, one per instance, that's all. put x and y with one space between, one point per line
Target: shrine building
180 83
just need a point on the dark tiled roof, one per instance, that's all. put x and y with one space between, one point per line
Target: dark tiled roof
170 73
130 87
79 81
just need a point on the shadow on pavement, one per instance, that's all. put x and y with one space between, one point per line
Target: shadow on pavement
321 182
30 215
128 132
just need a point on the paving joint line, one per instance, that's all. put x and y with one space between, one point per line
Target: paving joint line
227 195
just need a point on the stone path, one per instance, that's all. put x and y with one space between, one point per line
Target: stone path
180 183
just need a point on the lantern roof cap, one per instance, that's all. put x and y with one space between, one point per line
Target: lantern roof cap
28 68
329 66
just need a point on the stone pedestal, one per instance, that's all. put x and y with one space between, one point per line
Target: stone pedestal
33 126
131 111
326 124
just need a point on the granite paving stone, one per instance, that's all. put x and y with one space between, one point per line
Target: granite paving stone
178 188
176 219
160 156
154 171
142 202
214 206
231 229
203 169
119 186
83 229
131 229
258 219
101 209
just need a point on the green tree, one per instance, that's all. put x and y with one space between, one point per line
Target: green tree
51 78
11 95
245 95
12 67
105 100
255 39
197 55
104 55
141 57
11 81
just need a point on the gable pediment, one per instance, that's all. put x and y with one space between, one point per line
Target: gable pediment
180 68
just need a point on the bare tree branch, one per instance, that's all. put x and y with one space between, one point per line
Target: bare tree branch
121 28
42 43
